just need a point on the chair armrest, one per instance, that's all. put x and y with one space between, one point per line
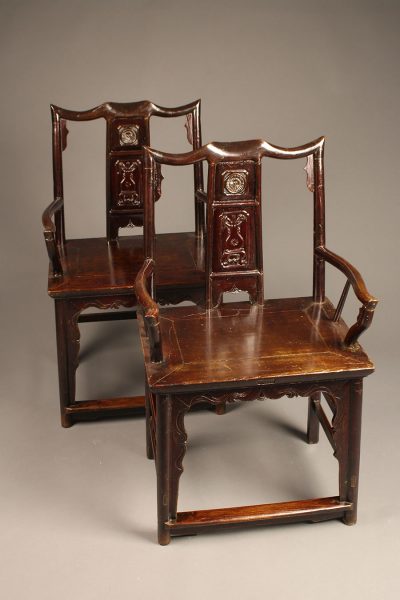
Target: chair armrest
49 232
150 309
354 278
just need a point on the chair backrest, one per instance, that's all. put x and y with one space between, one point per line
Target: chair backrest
234 259
128 130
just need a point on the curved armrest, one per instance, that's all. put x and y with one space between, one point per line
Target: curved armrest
150 309
368 301
48 215
49 231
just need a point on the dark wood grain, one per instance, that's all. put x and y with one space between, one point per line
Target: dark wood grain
314 510
260 349
284 340
100 272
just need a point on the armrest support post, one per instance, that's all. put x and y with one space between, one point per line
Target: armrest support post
354 279
342 300
150 310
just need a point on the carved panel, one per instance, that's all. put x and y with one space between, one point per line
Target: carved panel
336 391
235 239
128 196
123 219
126 184
233 245
235 181
252 284
128 135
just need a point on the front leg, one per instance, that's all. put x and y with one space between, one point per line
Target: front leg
150 418
347 435
313 421
171 441
68 337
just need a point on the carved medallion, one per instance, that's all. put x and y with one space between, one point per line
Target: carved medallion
128 135
235 182
128 196
233 245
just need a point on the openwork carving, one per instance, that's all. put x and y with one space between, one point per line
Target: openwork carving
183 403
189 128
235 182
233 252
309 169
128 135
234 290
128 196
272 392
75 309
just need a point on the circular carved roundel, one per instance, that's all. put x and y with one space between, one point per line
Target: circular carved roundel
128 135
235 183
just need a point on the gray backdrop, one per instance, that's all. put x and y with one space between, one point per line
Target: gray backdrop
78 506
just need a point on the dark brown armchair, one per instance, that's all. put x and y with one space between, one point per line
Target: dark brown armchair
294 346
100 272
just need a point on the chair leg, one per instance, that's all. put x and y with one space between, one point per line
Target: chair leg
149 418
218 409
313 421
171 449
67 332
163 467
349 463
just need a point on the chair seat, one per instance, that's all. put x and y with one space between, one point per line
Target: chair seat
93 267
283 340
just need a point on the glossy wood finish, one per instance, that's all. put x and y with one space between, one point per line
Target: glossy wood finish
319 509
241 344
100 272
93 267
221 353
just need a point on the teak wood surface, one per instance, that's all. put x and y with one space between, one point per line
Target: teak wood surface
100 272
219 353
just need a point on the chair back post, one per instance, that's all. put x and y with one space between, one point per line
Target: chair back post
196 139
319 223
59 143
149 236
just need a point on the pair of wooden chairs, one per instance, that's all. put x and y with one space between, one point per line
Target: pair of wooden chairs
214 352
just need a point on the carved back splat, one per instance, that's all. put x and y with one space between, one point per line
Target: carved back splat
128 130
234 259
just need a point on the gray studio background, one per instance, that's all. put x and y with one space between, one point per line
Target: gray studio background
78 506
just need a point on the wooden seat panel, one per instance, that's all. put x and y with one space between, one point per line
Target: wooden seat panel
93 266
238 342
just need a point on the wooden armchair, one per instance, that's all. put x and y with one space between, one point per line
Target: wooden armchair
100 272
293 347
